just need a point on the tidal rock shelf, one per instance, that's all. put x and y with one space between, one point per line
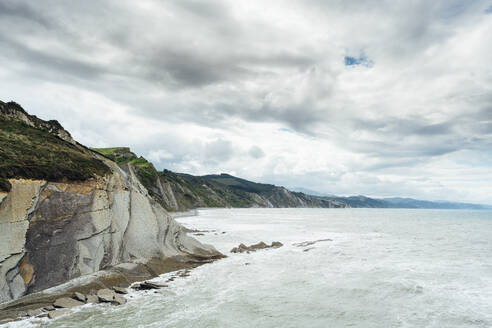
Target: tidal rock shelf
255 247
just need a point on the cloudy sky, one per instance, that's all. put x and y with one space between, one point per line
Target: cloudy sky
381 98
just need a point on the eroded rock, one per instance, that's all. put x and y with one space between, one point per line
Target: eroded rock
35 312
58 313
119 300
79 296
147 285
106 295
92 299
255 247
66 302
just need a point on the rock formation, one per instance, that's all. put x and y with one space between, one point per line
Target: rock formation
255 247
182 192
55 229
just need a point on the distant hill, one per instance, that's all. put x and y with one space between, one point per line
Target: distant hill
311 192
397 202
415 203
363 201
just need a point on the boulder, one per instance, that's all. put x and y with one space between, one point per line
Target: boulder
119 300
106 295
58 313
79 296
240 249
277 244
260 245
92 299
67 302
34 313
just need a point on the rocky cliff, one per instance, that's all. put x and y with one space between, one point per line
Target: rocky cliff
181 192
66 211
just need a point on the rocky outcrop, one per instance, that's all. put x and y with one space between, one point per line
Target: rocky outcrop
55 230
52 232
14 111
255 247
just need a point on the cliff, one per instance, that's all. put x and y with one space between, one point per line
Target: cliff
67 212
181 192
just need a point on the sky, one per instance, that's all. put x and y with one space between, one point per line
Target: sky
380 98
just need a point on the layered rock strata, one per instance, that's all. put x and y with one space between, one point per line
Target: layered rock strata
54 231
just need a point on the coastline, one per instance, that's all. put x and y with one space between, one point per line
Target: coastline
192 212
122 275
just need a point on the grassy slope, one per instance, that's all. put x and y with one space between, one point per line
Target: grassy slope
241 184
201 187
145 170
31 153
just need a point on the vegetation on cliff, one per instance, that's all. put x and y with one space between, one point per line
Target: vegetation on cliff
35 153
190 191
195 191
180 192
146 172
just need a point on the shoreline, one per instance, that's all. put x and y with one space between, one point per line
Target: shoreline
193 212
124 274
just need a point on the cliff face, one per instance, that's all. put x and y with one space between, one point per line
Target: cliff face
56 229
181 192
227 191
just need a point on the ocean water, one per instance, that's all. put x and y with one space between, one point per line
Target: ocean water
368 268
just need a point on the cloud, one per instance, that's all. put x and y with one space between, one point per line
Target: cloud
256 152
377 97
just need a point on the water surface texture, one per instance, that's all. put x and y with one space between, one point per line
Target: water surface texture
371 268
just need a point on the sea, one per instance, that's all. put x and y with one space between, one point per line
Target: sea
337 268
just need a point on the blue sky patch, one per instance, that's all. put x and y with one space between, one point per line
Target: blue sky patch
488 10
355 61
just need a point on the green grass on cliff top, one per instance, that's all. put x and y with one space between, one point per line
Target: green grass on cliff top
30 153
145 170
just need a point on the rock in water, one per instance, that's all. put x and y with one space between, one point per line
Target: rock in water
92 299
240 249
79 296
58 313
119 300
106 295
67 302
146 285
253 248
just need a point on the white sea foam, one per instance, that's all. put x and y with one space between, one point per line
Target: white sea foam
373 268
